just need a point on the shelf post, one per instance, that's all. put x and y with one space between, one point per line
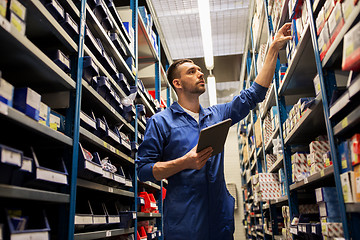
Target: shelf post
134 8
76 126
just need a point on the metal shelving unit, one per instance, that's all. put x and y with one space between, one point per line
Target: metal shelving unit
298 82
46 77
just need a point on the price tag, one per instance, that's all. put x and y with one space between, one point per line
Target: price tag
117 151
111 148
306 181
3 108
322 173
105 144
108 233
344 123
134 215
110 189
5 23
151 214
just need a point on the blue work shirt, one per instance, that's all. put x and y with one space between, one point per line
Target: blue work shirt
198 205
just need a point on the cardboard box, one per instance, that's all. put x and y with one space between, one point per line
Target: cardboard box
336 21
347 7
6 92
357 183
17 23
316 167
319 146
327 159
320 20
258 137
347 184
344 153
315 157
328 8
326 194
299 158
27 101
18 8
351 49
44 114
329 209
332 229
324 41
317 86
3 4
355 149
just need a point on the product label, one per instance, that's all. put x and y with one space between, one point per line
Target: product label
108 233
2 10
43 111
11 157
357 185
33 99
17 24
73 24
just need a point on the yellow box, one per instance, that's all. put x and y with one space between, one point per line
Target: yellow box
356 183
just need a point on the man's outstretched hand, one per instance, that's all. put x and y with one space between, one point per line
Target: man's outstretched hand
282 36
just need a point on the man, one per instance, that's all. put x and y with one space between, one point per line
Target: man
197 204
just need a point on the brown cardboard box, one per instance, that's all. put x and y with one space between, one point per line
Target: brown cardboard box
258 137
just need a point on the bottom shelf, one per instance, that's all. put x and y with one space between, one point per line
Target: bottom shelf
103 234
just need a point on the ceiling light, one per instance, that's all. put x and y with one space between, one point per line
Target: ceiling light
212 90
205 25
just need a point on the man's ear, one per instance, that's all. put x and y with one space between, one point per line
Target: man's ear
177 83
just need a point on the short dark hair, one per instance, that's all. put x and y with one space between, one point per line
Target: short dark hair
173 72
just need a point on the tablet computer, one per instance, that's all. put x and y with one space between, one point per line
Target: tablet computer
214 136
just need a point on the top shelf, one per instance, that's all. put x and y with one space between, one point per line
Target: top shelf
299 76
147 53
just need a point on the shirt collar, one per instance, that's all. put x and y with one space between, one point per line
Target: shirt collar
176 108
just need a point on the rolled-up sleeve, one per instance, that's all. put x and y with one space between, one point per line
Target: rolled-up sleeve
150 151
241 105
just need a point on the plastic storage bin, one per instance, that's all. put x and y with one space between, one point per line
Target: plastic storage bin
89 167
27 101
70 26
61 60
10 160
56 10
118 44
122 81
36 227
90 70
91 42
88 122
20 175
83 215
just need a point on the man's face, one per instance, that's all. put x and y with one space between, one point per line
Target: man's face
191 78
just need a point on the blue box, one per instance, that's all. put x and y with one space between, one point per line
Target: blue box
61 60
326 194
6 92
56 10
90 70
27 101
344 152
130 62
57 121
70 26
329 209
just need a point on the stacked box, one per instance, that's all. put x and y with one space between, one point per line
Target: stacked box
6 92
267 187
299 158
270 160
287 222
344 152
300 171
351 49
336 21
319 146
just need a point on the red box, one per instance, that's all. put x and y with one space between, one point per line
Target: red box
146 208
355 149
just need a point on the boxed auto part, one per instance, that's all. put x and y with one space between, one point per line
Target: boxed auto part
329 209
351 49
324 41
320 21
44 114
356 182
17 23
354 144
319 146
314 157
27 101
336 21
347 7
299 157
344 153
6 92
348 186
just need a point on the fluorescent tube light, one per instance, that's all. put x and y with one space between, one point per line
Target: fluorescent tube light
212 90
205 25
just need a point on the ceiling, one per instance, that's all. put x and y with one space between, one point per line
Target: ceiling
180 25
